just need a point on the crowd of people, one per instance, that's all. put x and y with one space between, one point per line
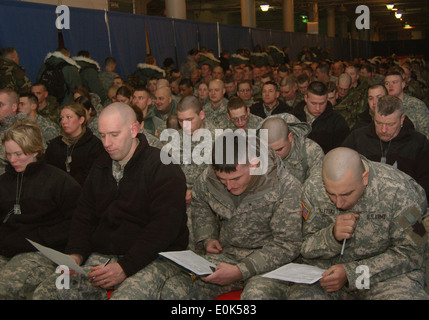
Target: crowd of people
83 171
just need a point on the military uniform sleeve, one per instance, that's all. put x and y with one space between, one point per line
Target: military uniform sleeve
204 223
286 233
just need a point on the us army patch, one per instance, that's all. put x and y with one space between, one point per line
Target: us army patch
305 211
411 222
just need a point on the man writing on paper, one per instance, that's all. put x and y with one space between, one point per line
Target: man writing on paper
378 210
247 224
132 207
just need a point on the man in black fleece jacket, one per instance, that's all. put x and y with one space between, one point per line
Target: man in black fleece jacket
132 207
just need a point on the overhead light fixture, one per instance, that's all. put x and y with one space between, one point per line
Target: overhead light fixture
407 26
398 15
390 6
265 7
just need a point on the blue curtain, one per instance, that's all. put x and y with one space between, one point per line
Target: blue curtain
30 29
187 37
128 41
161 38
234 37
87 32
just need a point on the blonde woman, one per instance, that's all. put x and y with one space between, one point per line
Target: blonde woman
36 203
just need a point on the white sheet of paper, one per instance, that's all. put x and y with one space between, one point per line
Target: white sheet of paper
294 272
58 257
191 261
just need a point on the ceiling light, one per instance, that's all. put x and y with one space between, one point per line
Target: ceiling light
390 6
398 15
265 7
407 26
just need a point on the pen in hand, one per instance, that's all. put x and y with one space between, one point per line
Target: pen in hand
344 246
105 264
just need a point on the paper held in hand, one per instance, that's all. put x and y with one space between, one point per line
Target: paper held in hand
191 261
294 272
59 258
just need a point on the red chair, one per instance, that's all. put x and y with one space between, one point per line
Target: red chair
233 295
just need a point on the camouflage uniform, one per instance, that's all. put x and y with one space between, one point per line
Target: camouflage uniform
52 110
389 237
217 116
306 155
352 105
418 113
13 76
153 124
173 110
151 139
16 282
259 231
50 130
106 78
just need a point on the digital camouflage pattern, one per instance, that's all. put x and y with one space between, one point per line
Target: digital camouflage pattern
418 113
51 111
306 155
20 275
50 130
259 231
217 116
389 237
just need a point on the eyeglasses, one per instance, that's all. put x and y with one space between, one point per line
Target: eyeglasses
240 119
244 90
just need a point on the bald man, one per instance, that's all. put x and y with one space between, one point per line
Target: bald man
299 154
164 103
362 215
133 207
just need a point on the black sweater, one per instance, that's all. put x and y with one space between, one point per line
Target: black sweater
139 217
48 199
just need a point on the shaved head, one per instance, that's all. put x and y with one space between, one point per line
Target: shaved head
121 110
118 128
277 129
344 177
339 161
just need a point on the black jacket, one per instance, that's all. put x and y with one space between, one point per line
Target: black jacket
329 129
48 199
258 109
409 150
139 217
86 150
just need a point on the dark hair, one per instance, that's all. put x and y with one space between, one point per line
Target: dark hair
83 100
318 88
31 97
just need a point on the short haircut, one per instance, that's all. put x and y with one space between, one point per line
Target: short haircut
331 87
229 162
368 68
27 135
125 91
12 95
7 51
378 85
83 53
302 78
38 84
236 103
288 81
323 67
189 103
318 88
186 82
109 61
273 83
31 98
394 72
388 105
249 82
